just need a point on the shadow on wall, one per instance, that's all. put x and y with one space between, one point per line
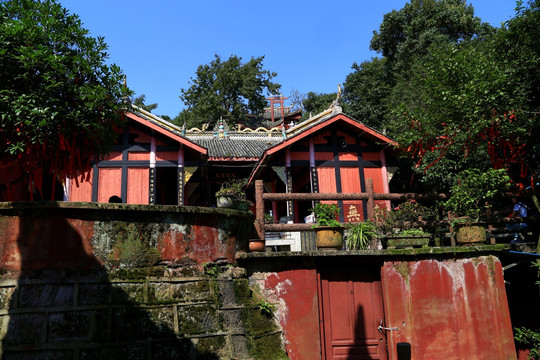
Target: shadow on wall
63 305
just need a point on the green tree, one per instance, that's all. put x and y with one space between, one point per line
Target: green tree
315 103
405 37
367 90
59 100
407 34
139 101
462 107
230 88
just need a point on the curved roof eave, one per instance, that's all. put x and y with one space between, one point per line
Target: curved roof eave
311 129
167 129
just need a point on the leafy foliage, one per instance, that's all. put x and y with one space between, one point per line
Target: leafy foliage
139 101
59 100
326 214
474 187
529 337
230 88
409 33
315 103
414 232
367 90
405 37
233 188
265 308
359 235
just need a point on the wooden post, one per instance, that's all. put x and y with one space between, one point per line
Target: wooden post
489 217
371 200
259 207
452 230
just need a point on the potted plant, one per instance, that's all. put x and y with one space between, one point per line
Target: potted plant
328 231
467 201
359 235
231 195
409 238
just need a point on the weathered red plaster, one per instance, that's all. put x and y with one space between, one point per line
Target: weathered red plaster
63 235
448 309
300 320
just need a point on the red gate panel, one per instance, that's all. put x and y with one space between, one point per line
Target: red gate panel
352 310
448 309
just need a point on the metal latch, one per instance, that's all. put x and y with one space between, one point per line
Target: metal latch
381 328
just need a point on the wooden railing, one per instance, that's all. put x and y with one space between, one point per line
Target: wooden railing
369 195
494 228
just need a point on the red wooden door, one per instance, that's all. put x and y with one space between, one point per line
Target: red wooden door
352 309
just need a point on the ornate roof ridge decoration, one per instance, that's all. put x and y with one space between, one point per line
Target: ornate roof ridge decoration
258 132
221 129
332 110
204 128
158 120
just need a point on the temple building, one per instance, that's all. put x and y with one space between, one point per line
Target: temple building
157 162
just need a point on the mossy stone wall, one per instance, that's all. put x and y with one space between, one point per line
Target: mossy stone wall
152 313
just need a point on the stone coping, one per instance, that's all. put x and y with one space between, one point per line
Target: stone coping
429 251
49 205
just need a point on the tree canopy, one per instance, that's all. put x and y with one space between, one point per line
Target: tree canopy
229 88
315 103
453 91
59 100
404 37
474 103
140 101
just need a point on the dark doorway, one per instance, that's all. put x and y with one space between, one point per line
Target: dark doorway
167 186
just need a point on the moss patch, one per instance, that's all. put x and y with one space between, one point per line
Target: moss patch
198 319
242 292
267 348
210 348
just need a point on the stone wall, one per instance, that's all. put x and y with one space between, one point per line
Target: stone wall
147 313
85 281
91 235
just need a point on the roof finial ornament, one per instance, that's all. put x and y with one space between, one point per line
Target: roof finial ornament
125 97
336 109
221 131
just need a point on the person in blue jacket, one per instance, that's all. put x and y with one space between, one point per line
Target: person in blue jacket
519 212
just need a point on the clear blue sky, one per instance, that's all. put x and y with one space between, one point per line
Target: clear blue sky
310 44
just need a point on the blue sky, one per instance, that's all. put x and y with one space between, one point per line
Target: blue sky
311 44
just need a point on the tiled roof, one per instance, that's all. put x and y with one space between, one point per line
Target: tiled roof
236 145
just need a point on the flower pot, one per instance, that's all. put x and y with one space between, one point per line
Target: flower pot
329 238
470 234
256 245
242 205
394 242
224 201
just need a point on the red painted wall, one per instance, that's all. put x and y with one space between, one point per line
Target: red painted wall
453 309
445 308
295 292
74 235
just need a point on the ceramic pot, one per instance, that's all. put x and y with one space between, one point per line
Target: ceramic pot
226 202
329 238
242 205
470 234
256 245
